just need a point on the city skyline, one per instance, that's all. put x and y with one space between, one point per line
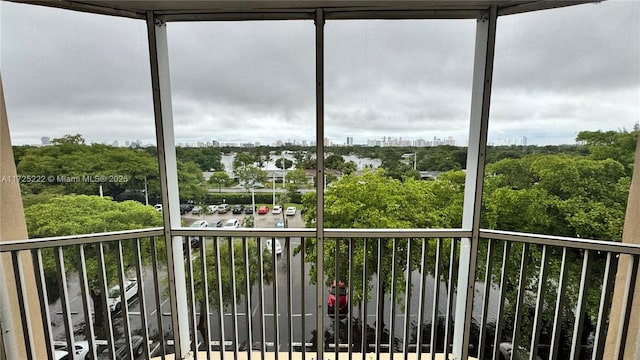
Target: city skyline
383 142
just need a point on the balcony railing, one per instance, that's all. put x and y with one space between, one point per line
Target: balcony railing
541 295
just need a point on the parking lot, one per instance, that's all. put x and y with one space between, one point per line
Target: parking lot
261 220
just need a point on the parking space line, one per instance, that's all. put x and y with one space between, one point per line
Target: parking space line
155 310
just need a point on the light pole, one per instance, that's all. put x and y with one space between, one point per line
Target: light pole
146 191
253 206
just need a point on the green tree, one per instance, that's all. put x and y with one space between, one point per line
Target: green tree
334 162
191 183
207 158
241 160
373 200
76 139
616 145
249 175
284 163
349 167
220 178
74 168
82 214
294 180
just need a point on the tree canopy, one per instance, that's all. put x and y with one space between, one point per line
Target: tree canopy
82 214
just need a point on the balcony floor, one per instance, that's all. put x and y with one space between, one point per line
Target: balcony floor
311 356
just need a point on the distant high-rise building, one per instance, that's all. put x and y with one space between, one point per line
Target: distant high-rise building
45 140
349 140
420 143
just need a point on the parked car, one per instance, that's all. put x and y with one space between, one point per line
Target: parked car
232 223
120 345
223 208
158 207
269 246
216 223
81 350
340 291
291 211
264 209
521 354
195 240
185 208
237 209
196 210
248 210
277 210
61 355
199 224
131 291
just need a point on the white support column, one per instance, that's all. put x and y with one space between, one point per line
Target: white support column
161 86
319 22
480 100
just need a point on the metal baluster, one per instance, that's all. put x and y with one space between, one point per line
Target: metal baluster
485 299
521 290
44 306
407 304
606 296
450 299
506 251
579 313
86 301
158 301
542 282
557 319
205 298
216 254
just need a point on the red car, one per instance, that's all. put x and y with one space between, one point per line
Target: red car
342 302
264 209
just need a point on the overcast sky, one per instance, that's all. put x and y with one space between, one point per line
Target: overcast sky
556 72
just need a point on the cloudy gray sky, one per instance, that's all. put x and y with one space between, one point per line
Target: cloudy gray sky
556 72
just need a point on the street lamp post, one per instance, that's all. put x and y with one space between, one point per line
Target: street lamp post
253 206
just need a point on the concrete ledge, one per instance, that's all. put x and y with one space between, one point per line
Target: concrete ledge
243 355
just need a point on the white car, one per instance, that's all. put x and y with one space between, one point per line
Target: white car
195 240
81 352
199 224
277 210
158 207
131 291
291 211
61 355
232 223
522 353
269 245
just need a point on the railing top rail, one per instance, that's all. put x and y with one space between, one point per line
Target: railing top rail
561 241
578 243
244 232
328 233
40 243
396 233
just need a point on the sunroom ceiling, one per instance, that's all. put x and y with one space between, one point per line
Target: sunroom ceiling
186 9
